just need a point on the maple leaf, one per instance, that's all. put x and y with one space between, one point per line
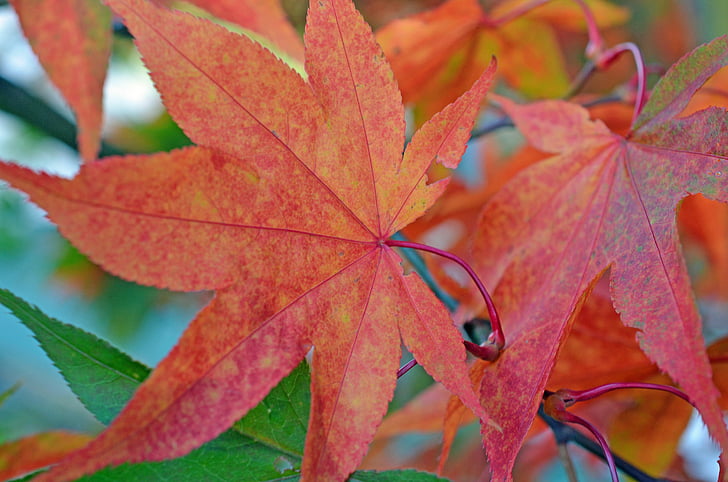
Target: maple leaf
603 201
72 40
284 208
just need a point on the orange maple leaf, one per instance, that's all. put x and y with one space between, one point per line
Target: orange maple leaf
284 208
436 55
72 40
604 200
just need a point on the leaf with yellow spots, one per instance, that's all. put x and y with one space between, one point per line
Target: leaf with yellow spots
284 208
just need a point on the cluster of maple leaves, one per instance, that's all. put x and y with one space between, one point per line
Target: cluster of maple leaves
287 203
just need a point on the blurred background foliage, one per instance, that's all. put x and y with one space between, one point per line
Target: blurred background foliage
41 267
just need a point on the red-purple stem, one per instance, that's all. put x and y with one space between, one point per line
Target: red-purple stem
610 55
496 337
572 396
406 367
487 351
596 44
569 417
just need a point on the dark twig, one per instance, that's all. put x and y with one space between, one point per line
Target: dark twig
491 127
578 83
568 463
565 434
31 109
120 30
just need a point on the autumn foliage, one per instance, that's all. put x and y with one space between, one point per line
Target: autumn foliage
305 193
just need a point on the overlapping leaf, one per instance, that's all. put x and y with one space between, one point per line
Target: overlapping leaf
603 201
283 209
72 39
34 452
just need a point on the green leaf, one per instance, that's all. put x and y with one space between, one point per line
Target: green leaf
281 419
102 377
230 457
393 476
266 445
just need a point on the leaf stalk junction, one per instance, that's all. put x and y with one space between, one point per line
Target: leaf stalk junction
491 348
555 404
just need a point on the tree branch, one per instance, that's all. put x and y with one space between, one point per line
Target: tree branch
36 112
565 434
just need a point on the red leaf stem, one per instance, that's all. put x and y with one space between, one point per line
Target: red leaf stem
606 58
406 367
571 418
572 396
555 407
496 337
596 44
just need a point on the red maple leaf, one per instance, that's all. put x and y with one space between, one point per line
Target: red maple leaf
37 451
603 200
284 208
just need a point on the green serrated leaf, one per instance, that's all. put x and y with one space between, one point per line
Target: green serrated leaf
102 377
230 457
394 476
266 445
281 419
